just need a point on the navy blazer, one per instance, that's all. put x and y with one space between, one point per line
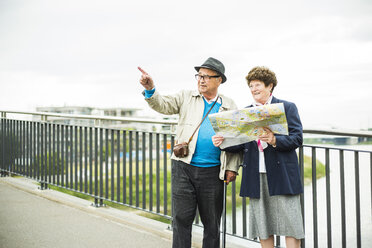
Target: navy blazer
282 167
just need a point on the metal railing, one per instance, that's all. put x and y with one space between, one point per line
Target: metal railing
132 168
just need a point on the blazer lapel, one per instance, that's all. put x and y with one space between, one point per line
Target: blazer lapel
274 100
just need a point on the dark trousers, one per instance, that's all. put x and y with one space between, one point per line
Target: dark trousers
196 187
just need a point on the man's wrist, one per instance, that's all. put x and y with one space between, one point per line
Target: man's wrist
149 93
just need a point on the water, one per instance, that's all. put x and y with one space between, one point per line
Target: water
350 201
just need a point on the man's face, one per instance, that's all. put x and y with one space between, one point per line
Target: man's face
207 85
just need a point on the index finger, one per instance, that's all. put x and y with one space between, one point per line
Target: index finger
143 72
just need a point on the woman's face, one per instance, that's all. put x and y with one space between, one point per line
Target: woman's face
259 91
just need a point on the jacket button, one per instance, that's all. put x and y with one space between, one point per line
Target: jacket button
244 165
245 150
278 162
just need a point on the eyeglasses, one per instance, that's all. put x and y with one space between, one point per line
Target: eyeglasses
257 85
206 77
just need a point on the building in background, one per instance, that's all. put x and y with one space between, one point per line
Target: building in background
107 112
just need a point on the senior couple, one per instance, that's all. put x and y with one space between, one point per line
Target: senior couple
270 176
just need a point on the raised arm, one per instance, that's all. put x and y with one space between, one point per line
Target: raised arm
165 104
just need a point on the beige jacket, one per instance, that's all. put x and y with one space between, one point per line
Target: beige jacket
190 107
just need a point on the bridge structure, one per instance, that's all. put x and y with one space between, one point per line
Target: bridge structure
132 168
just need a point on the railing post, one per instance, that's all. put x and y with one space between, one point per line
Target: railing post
97 123
342 197
328 198
43 186
43 149
315 198
144 170
233 206
173 128
44 118
98 171
98 202
2 166
165 185
357 200
170 227
302 196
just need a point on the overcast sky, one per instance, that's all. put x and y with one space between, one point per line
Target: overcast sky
86 53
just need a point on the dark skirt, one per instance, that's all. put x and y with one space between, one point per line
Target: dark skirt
274 215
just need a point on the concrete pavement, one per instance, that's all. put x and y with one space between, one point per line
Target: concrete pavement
33 218
30 217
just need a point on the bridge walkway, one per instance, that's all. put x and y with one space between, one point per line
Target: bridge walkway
30 217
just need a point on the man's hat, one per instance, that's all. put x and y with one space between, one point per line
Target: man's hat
215 65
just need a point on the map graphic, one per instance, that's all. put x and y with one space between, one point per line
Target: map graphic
244 125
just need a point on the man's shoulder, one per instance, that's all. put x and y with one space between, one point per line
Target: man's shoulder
190 92
227 100
223 96
186 94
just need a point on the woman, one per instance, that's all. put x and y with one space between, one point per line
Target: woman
271 173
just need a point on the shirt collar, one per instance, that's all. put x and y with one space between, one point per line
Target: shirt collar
197 93
267 102
214 99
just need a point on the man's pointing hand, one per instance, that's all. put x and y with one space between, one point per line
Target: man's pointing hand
146 80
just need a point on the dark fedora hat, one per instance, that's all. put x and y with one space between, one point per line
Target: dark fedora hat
215 65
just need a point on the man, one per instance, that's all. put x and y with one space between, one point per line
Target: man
195 178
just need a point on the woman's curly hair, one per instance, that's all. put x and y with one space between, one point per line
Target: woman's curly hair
263 74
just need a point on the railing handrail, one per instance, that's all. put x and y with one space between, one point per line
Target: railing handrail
93 117
337 132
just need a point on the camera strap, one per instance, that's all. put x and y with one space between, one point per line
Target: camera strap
202 120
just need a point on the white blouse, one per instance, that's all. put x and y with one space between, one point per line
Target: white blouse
261 157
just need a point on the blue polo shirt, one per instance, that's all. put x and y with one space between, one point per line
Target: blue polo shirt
206 154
